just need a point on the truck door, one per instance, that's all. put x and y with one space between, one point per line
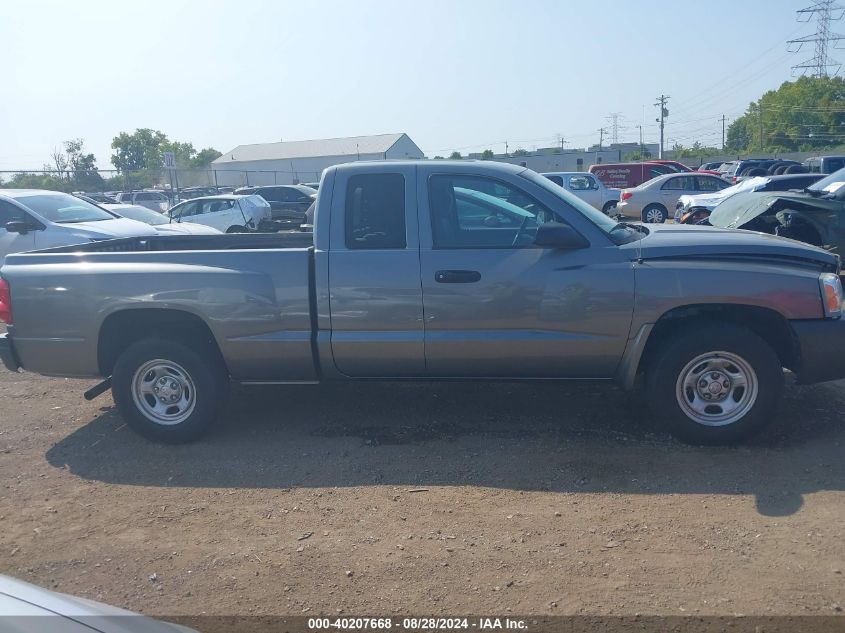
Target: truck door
496 305
374 273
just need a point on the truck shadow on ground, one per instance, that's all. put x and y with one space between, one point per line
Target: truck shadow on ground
532 437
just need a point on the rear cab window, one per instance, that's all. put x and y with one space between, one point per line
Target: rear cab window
375 212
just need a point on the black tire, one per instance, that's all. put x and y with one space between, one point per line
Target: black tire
780 169
681 349
206 374
609 206
664 214
237 229
771 170
757 171
796 169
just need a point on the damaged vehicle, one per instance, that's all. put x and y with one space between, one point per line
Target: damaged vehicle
814 215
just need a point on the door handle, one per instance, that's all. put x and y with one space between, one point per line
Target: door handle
457 276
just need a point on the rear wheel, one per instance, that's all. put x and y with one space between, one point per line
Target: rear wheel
608 208
655 214
718 385
167 391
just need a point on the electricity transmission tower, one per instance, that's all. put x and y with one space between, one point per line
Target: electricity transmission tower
614 126
825 12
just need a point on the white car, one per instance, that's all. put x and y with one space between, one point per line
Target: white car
32 219
29 608
587 187
230 213
154 200
651 201
162 223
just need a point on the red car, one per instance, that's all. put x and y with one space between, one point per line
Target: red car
679 167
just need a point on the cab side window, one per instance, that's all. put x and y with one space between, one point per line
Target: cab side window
10 213
556 179
478 212
375 211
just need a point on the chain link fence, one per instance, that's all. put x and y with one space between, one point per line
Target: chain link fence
171 181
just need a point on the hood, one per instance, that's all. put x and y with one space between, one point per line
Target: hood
21 597
106 229
186 228
681 241
705 200
744 207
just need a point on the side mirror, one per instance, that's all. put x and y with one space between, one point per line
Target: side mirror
557 235
19 226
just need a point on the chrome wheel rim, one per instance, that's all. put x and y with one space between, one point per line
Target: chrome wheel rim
654 216
164 392
716 388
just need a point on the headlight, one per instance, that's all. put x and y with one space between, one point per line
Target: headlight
831 289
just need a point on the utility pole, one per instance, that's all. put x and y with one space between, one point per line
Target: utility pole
723 131
506 148
760 118
602 132
642 147
664 112
613 118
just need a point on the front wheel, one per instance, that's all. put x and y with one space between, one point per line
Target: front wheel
655 214
237 229
715 384
167 391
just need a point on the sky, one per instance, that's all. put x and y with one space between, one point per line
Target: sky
462 75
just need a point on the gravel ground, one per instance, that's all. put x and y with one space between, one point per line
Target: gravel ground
423 499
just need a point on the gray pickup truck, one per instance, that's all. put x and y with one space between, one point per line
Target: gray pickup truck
434 270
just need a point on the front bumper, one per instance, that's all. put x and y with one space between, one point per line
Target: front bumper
821 345
7 353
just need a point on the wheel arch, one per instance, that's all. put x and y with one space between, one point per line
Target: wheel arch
122 328
768 324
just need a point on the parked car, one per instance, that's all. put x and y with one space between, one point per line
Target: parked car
33 219
651 201
96 198
27 607
288 202
711 166
163 224
587 187
155 200
815 216
734 171
313 185
824 164
680 167
189 193
623 175
402 278
702 204
230 213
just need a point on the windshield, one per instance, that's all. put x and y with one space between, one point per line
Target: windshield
64 209
619 233
832 184
142 214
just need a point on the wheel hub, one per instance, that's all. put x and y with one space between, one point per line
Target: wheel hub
714 385
168 389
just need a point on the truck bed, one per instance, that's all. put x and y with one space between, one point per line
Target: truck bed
231 241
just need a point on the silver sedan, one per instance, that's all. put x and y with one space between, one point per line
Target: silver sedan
651 201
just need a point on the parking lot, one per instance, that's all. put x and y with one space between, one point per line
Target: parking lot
423 499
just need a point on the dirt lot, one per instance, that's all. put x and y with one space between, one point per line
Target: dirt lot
423 499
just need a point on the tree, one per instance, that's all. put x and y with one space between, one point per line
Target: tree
438 158
140 150
521 152
487 154
82 167
183 153
205 157
59 161
455 155
801 115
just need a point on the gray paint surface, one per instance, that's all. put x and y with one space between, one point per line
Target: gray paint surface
535 313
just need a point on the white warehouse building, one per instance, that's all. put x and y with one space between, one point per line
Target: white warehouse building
290 162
